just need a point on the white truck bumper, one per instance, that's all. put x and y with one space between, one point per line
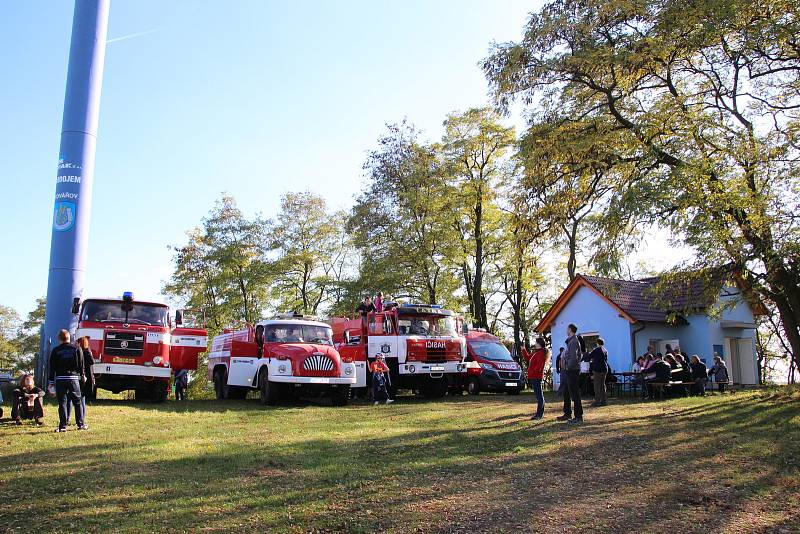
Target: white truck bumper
427 368
315 380
131 370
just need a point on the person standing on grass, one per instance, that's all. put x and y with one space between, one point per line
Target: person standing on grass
562 382
536 363
571 364
87 388
380 390
181 384
598 366
66 373
719 372
27 402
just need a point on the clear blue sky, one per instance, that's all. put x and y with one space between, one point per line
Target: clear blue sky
252 98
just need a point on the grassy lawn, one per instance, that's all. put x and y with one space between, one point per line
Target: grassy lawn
726 463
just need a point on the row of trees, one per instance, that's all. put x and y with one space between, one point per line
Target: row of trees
19 339
675 115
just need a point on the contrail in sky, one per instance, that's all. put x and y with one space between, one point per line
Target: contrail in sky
130 36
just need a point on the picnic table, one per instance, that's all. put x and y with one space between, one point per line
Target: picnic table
627 381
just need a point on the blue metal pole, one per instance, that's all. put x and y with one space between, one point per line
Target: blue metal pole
73 201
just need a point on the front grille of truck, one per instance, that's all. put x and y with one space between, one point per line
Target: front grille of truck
436 355
318 362
509 375
130 344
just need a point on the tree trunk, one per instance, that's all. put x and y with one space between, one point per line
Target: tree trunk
477 286
572 260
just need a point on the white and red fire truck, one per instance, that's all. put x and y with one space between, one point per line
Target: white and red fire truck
289 355
135 344
419 342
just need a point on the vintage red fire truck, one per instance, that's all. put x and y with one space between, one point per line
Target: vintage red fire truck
135 344
419 342
288 355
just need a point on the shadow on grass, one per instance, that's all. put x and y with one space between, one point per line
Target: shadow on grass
493 474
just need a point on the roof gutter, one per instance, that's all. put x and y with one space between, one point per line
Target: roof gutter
633 340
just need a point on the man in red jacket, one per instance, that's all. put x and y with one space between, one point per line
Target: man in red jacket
536 363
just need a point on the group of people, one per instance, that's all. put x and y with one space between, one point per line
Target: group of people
677 367
71 380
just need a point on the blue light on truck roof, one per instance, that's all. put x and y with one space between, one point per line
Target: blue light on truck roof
128 295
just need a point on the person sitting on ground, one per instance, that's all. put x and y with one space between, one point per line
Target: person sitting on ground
719 372
27 401
699 376
662 373
380 391
598 366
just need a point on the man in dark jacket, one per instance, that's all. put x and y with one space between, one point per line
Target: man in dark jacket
571 365
598 366
66 373
662 371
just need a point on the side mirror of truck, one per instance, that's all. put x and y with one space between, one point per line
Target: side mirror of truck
178 317
76 305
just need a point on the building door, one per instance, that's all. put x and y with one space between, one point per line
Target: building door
741 363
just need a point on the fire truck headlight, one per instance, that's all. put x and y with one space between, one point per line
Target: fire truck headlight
348 370
412 369
157 360
282 368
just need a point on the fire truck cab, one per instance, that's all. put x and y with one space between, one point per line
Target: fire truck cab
135 345
419 342
284 356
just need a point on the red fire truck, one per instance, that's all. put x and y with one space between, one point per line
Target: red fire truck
135 344
284 356
419 342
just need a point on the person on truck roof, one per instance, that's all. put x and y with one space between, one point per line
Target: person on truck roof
366 307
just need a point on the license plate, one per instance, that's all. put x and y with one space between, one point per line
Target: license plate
316 381
437 368
511 384
124 360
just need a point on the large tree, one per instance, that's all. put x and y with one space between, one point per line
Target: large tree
474 147
312 254
705 96
402 222
221 270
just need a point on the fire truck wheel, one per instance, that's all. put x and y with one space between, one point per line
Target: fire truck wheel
340 396
219 385
473 387
159 393
269 391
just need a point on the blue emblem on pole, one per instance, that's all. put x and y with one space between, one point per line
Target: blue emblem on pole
64 216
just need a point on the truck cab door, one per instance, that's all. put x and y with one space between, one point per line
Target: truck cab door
186 344
382 338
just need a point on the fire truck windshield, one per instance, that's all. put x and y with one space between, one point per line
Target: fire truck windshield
491 351
427 325
112 312
298 333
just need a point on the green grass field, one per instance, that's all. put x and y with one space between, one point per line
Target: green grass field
724 463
